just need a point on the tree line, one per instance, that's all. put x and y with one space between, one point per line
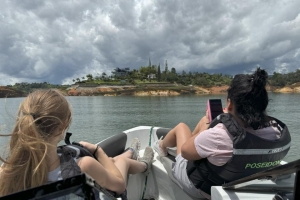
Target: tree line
143 75
281 80
26 88
157 74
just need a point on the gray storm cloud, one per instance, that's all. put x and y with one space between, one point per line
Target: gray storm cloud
56 41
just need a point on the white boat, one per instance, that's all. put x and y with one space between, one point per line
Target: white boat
160 183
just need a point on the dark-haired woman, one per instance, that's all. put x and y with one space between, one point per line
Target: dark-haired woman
236 144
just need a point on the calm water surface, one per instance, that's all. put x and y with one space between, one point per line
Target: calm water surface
95 118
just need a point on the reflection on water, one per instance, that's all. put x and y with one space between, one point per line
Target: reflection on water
95 118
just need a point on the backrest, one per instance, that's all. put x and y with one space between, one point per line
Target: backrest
114 145
162 132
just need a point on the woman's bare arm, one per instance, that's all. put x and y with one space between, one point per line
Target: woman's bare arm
188 149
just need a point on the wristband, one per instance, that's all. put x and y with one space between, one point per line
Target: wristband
94 154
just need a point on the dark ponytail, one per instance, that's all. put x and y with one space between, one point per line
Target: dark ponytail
249 95
259 81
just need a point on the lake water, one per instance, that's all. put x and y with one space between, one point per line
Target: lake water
95 118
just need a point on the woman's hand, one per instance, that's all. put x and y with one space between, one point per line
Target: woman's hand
89 146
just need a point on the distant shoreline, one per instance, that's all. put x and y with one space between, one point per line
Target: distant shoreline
170 90
145 90
160 91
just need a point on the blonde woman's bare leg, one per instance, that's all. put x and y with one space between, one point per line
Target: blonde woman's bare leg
126 154
131 152
128 166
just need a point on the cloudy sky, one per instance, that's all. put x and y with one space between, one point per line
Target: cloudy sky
59 40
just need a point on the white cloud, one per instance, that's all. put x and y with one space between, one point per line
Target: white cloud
57 41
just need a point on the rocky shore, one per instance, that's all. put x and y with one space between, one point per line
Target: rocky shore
160 91
143 91
9 92
131 90
288 90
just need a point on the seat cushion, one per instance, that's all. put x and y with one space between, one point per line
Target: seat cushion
168 163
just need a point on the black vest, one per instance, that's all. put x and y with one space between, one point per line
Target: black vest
251 154
70 168
67 154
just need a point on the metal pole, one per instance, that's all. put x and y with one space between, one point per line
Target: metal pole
297 185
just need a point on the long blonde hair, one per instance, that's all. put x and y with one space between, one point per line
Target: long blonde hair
41 115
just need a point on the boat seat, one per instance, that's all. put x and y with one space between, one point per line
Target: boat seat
170 159
119 143
168 163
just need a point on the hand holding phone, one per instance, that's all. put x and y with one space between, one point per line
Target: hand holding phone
214 108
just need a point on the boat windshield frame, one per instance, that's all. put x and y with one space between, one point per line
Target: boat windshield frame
80 184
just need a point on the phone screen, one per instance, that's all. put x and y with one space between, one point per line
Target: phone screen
214 108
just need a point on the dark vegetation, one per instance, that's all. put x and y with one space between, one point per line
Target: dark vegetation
150 76
22 89
282 80
155 74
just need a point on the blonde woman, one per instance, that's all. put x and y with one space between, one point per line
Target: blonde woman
42 121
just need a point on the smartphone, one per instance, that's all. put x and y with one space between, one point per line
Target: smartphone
214 108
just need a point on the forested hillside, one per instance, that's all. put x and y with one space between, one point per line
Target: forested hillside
149 75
